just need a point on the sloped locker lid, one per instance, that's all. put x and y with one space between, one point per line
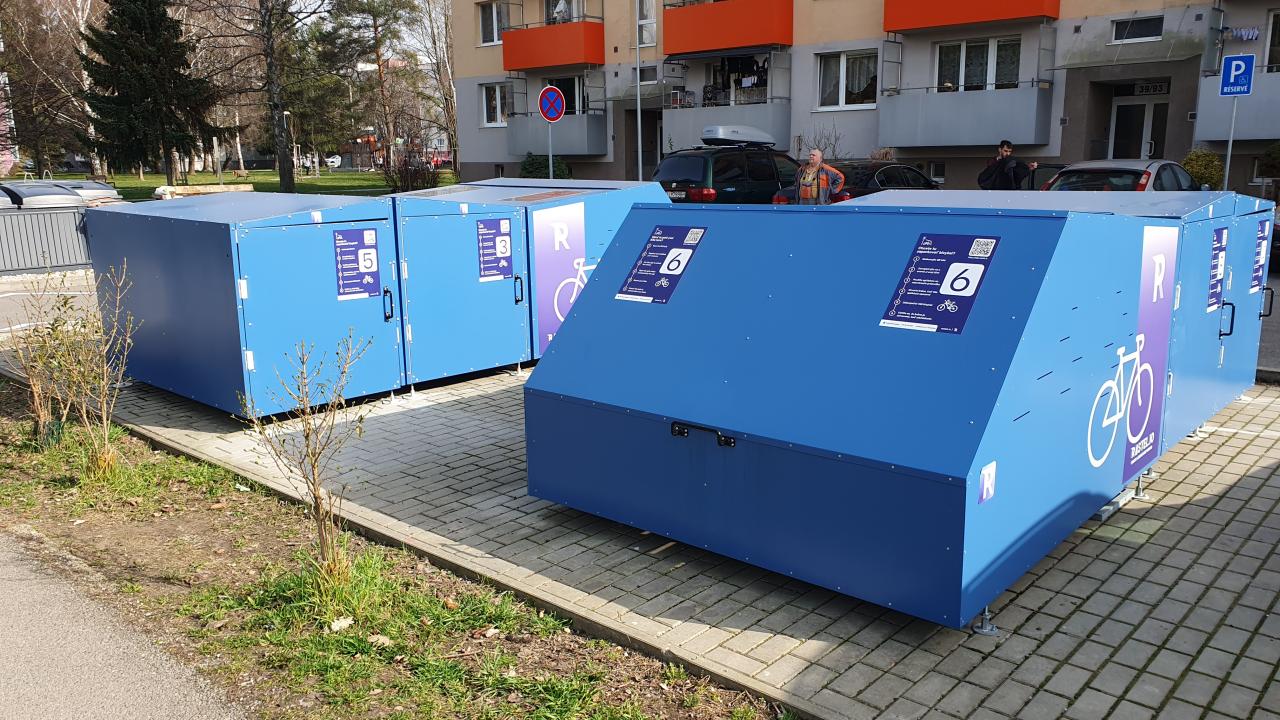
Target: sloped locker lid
1183 205
252 209
479 197
35 194
5 202
774 331
91 190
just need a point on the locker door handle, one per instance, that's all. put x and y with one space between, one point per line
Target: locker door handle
519 288
1268 302
1231 328
681 429
388 304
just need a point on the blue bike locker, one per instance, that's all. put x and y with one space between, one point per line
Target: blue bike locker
911 398
490 268
225 286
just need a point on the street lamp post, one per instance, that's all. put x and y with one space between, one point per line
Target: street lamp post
293 145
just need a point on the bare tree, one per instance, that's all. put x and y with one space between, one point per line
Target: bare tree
97 367
304 447
43 349
827 139
431 39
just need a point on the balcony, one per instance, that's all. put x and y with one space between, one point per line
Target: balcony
923 117
695 26
908 15
579 42
584 134
1255 117
683 125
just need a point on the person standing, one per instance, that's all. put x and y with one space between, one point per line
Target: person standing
1005 171
816 181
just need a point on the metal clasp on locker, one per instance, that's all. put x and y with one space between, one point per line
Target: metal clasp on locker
681 429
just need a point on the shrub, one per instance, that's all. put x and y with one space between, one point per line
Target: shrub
535 166
1205 167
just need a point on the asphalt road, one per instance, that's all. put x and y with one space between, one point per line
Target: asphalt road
64 656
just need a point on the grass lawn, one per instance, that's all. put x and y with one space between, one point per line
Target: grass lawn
337 183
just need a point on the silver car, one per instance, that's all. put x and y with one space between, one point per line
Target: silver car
1127 175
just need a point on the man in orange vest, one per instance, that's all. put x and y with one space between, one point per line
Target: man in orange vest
816 181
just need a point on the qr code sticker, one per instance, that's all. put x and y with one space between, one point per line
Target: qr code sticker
982 248
693 236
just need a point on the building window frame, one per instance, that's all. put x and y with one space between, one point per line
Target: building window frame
1272 61
842 90
1115 25
501 101
990 82
649 8
656 75
491 18
1255 178
937 171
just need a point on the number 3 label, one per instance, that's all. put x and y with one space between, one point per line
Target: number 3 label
675 261
962 279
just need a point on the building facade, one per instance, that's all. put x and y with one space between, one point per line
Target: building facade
8 141
940 84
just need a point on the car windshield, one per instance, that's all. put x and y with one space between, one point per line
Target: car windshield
682 168
1108 179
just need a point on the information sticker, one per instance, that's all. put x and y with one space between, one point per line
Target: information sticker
1260 257
940 283
355 254
493 243
655 274
1217 269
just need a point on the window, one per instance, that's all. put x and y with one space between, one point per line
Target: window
648 74
786 169
847 79
497 104
572 89
1143 29
1185 181
563 11
1257 177
938 171
648 23
493 20
1273 43
978 64
760 167
728 167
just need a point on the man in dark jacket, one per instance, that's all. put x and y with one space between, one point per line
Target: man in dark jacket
1004 171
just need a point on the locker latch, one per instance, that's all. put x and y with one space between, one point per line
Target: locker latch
681 429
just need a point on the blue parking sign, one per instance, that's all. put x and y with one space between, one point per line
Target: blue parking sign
1237 75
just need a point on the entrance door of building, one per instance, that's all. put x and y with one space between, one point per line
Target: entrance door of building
1138 126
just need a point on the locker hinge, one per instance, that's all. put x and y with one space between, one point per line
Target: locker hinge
248 360
1230 276
1177 296
244 288
1169 392
408 332
404 269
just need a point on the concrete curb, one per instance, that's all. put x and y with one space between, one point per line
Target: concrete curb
386 530
1269 376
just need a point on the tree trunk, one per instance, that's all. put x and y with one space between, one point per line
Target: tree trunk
284 157
141 175
217 163
388 156
239 148
170 165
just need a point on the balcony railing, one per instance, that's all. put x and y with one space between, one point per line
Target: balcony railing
690 26
1255 116
908 15
938 116
574 36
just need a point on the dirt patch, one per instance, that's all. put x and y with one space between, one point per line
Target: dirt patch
196 557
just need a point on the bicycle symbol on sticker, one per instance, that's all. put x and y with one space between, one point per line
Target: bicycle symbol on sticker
1123 398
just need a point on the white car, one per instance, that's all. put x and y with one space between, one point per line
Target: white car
333 161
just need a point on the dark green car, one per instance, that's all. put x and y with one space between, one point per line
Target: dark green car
740 173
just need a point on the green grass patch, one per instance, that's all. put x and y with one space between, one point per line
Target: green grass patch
338 183
402 647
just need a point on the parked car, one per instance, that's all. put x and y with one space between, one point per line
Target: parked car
1126 175
736 165
864 177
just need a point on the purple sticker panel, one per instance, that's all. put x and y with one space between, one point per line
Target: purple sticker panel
355 256
493 243
655 274
1143 369
940 283
560 269
1217 269
1260 257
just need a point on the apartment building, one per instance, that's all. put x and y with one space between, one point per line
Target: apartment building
939 83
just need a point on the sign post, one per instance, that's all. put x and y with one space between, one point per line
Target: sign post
551 108
1237 80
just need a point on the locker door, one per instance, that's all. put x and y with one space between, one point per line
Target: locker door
314 284
466 293
1247 256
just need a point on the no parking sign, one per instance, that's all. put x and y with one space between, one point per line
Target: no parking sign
551 107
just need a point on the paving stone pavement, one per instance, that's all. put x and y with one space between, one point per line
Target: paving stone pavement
1166 610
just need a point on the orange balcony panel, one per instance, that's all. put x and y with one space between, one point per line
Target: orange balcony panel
726 25
574 43
906 15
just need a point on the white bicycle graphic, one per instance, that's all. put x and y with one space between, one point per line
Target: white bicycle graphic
949 305
1120 393
574 285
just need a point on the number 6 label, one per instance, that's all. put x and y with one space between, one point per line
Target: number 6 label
675 261
962 279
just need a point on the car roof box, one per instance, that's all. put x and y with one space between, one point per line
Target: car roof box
735 135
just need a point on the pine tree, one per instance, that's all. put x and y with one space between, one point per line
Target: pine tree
145 102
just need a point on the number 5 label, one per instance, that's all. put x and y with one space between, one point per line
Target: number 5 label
962 279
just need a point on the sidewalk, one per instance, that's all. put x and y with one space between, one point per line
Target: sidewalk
66 658
1167 609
